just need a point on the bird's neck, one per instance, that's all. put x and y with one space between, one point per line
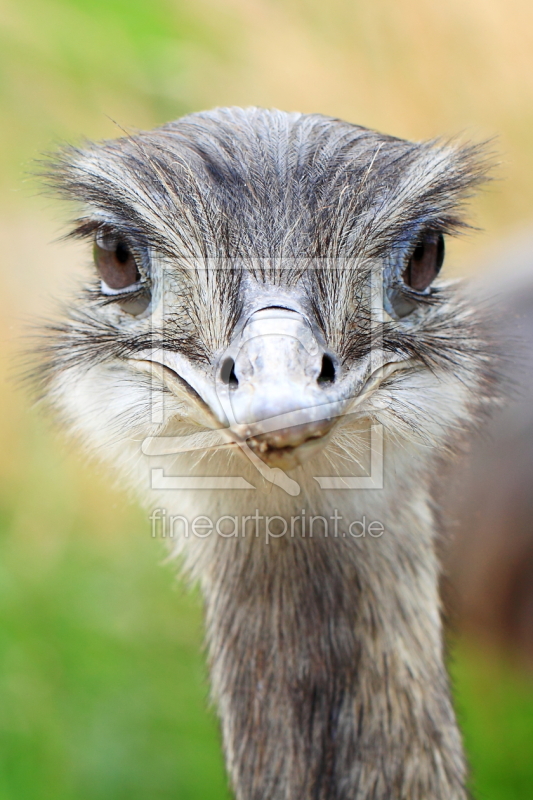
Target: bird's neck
327 666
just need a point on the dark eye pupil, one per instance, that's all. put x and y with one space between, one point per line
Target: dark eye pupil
117 266
418 254
425 262
122 253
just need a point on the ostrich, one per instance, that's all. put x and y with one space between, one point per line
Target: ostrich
263 323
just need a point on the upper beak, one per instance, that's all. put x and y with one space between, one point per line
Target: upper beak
277 386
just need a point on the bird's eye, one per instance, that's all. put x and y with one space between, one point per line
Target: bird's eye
425 262
121 280
115 262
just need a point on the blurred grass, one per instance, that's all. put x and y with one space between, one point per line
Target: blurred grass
103 691
494 701
102 680
103 686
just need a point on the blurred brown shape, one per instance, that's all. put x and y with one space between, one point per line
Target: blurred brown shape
489 500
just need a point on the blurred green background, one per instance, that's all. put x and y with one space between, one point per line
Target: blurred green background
103 689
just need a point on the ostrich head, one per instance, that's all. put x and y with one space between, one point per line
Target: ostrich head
265 290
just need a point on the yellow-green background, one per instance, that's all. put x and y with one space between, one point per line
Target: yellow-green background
102 680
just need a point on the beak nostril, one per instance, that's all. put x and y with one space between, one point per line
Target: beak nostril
327 373
227 372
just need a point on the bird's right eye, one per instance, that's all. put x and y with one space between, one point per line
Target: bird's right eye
115 262
122 281
425 262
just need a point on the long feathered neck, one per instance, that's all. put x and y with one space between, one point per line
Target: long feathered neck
326 661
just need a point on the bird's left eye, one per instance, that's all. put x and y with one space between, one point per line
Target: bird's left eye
425 262
115 262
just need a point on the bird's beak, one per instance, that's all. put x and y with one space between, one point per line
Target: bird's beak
276 391
277 386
